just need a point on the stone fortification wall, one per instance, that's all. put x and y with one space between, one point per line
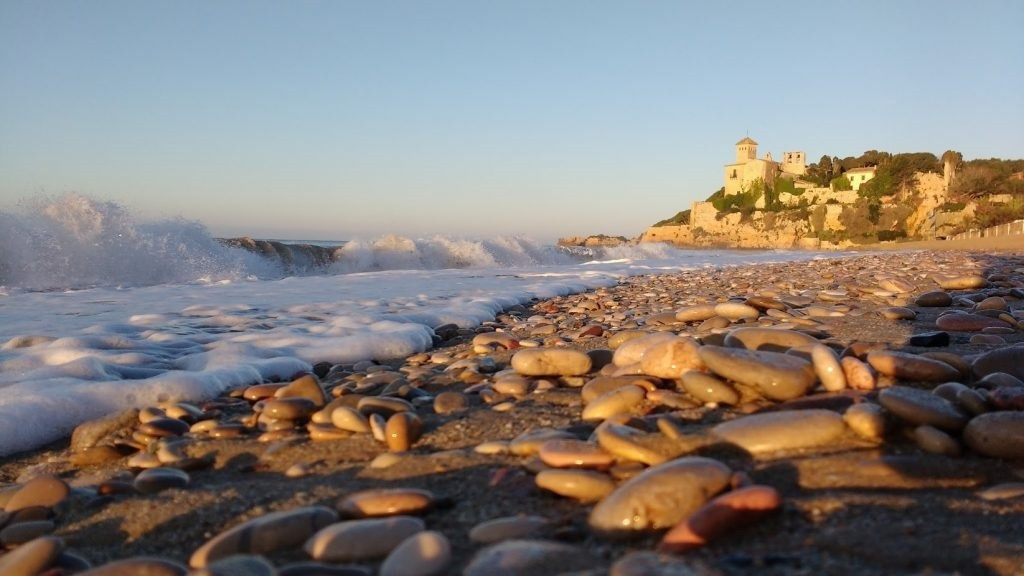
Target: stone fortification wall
815 196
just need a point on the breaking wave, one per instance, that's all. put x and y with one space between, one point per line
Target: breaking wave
73 242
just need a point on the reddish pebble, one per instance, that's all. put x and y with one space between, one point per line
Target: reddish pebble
720 516
1009 398
958 322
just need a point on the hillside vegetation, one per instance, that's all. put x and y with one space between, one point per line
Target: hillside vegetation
993 188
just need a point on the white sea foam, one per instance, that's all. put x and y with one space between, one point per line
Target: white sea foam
71 355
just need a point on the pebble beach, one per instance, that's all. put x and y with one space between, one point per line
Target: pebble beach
862 414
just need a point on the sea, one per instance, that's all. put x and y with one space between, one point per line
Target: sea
101 311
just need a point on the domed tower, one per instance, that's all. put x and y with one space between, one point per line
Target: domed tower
746 149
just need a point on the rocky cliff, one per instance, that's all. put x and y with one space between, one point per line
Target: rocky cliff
820 219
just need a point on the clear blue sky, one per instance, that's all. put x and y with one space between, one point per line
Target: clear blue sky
470 118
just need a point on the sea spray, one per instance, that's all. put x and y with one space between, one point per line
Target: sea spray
73 242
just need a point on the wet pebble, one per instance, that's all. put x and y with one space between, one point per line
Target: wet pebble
966 282
619 400
777 376
921 407
935 441
383 405
720 516
573 453
306 386
356 540
528 443
987 339
669 359
934 299
402 431
632 351
31 558
1009 360
582 485
154 480
827 368
92 432
628 443
996 434
867 420
735 311
966 322
385 502
661 496
507 528
1002 491
423 554
897 313
785 430
906 366
450 403
267 533
770 339
551 362
708 388
22 532
858 375
528 558
289 408
44 491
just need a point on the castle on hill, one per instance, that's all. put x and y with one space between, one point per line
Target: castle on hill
748 168
803 214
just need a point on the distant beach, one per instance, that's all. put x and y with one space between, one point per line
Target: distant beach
987 244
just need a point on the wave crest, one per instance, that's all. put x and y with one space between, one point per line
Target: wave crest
392 252
72 241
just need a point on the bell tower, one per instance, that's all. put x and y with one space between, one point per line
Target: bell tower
746 149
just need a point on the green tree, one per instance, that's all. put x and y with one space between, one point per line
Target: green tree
982 177
826 170
840 183
975 182
953 158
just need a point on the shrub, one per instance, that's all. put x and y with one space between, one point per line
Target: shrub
840 183
740 202
681 218
890 235
996 213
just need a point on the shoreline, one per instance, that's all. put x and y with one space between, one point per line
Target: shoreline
987 244
849 505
